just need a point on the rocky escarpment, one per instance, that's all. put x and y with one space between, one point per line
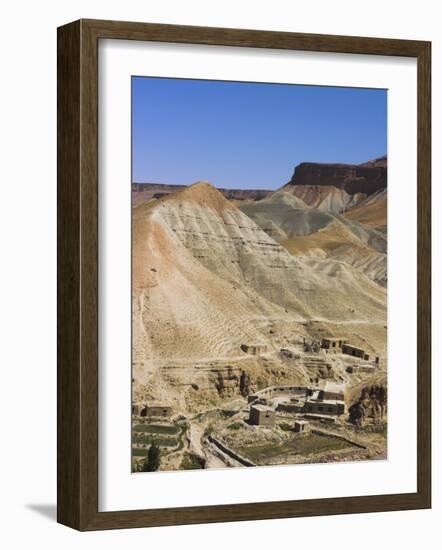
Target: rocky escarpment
372 403
364 178
380 161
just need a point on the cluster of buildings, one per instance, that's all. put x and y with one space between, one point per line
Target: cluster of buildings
340 345
325 402
263 415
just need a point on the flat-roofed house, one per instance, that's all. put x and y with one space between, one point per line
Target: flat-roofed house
354 351
331 390
155 409
301 426
326 407
333 343
261 415
355 369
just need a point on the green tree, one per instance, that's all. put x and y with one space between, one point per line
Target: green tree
152 460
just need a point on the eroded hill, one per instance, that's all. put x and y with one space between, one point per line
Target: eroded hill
307 231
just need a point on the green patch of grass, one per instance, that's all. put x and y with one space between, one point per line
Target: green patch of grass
165 429
139 452
298 445
161 441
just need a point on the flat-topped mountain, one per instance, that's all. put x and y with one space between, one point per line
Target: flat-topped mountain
380 161
366 178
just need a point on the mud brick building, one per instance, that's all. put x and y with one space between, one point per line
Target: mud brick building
159 410
261 415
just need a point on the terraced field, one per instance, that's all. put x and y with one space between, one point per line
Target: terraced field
304 445
168 437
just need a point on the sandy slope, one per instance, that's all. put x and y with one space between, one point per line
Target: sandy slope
371 212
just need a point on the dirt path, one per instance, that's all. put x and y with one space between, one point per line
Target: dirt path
196 432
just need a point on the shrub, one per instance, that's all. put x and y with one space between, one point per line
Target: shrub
152 460
286 427
235 426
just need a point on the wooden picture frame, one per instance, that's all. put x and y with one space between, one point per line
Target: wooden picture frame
78 274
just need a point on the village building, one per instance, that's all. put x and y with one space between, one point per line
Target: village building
301 426
356 369
261 415
326 401
331 391
277 391
326 407
332 343
355 351
290 406
254 349
162 410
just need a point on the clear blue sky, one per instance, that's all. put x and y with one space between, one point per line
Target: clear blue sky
245 135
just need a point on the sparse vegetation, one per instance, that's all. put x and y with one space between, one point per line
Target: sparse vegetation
191 462
235 426
286 427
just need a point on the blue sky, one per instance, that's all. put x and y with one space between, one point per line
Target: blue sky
247 135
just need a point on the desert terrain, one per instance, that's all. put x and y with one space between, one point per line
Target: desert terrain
260 320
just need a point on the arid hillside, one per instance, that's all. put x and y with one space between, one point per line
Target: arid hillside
207 279
307 231
325 198
372 212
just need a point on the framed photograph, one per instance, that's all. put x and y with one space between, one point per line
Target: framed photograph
243 275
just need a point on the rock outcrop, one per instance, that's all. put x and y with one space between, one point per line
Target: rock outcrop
372 403
364 178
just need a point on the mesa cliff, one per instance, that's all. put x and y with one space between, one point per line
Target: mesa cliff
366 178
